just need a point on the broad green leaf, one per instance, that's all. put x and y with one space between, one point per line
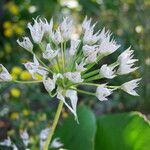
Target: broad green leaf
127 131
78 136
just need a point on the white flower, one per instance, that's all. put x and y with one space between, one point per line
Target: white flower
36 30
107 45
14 147
44 134
74 46
57 37
6 142
126 62
35 68
75 77
91 58
102 92
4 74
26 44
80 67
88 50
107 71
25 137
47 27
49 84
72 94
130 86
86 23
49 53
56 143
66 28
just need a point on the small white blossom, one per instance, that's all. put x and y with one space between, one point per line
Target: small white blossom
107 45
26 44
6 142
66 28
14 147
50 53
25 138
35 68
130 86
75 77
86 23
107 71
61 93
4 74
80 67
91 58
36 30
47 27
74 46
56 143
57 37
102 92
88 50
49 84
126 62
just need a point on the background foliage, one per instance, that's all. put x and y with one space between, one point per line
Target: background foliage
30 107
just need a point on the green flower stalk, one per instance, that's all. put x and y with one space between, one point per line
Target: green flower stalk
66 63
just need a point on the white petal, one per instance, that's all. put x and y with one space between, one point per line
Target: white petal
102 92
74 46
6 142
80 67
107 71
130 86
49 84
56 143
44 133
4 74
75 77
25 137
26 44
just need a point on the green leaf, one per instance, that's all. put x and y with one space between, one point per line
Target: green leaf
78 136
127 131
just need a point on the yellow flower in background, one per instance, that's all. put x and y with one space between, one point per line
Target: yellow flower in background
18 30
8 32
38 77
7 48
42 117
14 76
25 75
7 24
13 8
30 123
16 70
26 112
11 132
15 92
14 115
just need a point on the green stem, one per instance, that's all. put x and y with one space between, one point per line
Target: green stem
55 122
82 91
26 82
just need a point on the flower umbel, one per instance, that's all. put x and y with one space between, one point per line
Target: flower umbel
65 63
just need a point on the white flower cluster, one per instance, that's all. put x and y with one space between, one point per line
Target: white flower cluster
66 63
56 143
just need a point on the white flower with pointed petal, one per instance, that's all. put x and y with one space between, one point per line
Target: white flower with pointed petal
74 46
126 62
72 94
107 45
47 27
50 53
25 137
75 77
56 143
80 67
44 133
14 147
6 142
35 68
57 37
102 92
49 84
107 71
4 74
130 86
91 58
36 30
26 44
88 50
66 28
86 23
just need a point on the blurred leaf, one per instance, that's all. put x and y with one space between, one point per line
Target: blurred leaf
78 136
127 131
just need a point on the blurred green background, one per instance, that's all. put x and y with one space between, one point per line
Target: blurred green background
23 106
